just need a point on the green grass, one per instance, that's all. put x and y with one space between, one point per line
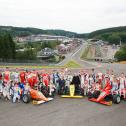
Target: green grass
32 67
72 64
85 52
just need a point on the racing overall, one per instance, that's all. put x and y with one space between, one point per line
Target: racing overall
51 86
86 86
114 86
6 91
122 86
56 80
68 81
45 79
82 80
1 86
35 78
30 79
26 88
16 76
22 77
16 93
6 76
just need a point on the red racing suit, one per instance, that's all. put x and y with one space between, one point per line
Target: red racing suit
7 76
22 77
45 79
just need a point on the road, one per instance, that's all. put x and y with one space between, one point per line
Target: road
99 66
62 112
69 56
75 55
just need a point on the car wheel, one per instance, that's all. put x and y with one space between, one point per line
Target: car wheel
116 99
26 98
89 95
96 94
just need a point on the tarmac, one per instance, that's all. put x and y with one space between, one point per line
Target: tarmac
62 112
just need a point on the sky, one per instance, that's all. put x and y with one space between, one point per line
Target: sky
81 16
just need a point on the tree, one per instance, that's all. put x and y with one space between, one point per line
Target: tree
12 46
7 47
121 54
114 39
27 54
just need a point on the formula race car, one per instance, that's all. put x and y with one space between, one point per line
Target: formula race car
104 96
72 93
36 96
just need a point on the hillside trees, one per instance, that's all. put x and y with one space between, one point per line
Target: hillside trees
121 54
7 47
27 54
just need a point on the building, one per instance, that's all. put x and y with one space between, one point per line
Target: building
45 53
40 37
68 46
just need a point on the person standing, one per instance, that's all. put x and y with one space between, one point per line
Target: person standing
22 77
1 86
115 84
76 82
7 75
61 89
56 78
68 79
16 76
122 82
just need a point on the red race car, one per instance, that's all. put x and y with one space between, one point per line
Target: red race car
104 96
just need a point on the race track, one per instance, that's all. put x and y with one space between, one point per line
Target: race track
62 112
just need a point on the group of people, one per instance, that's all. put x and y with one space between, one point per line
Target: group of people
17 82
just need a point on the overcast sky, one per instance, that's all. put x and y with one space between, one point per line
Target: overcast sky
80 16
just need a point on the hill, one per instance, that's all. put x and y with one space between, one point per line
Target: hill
113 35
24 31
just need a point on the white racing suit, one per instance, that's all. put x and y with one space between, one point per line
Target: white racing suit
68 80
114 87
6 91
86 87
26 89
16 94
1 86
122 86
16 76
82 81
51 88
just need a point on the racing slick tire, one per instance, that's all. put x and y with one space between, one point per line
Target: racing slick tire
96 94
89 95
116 99
26 98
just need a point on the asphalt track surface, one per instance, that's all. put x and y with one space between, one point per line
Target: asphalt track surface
62 112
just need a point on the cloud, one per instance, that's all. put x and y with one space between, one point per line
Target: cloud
74 15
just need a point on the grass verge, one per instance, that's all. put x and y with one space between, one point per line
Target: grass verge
85 53
72 64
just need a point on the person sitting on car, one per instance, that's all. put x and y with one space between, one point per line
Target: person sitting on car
122 81
16 93
26 88
6 90
114 85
